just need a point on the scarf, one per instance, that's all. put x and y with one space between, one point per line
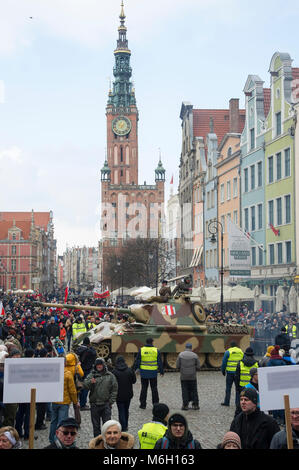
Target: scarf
59 444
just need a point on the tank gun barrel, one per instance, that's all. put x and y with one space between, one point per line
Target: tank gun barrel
81 307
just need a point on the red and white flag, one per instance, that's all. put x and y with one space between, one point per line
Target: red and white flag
168 310
274 230
100 295
2 311
66 292
171 181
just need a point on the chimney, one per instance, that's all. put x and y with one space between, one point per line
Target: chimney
234 115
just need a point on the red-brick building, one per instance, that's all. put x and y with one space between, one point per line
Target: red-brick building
129 210
27 251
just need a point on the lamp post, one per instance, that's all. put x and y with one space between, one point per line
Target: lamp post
214 227
120 264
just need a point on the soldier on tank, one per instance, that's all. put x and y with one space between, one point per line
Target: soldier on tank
164 294
183 287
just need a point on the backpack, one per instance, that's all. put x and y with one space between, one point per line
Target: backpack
165 443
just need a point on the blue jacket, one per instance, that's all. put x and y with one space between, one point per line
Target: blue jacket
224 363
148 374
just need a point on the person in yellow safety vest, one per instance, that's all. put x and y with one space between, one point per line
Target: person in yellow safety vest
243 368
291 330
151 432
149 362
79 327
230 361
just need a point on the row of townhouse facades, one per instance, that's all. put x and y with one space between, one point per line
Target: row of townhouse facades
240 164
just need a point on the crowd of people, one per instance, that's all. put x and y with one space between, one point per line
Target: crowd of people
90 383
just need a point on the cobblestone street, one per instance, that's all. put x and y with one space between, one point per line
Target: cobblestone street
208 425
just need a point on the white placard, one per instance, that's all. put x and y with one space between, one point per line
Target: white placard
46 375
274 383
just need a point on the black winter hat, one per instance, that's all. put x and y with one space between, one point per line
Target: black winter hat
249 352
99 360
251 394
177 418
160 410
86 340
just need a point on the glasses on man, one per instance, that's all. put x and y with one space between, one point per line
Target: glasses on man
72 433
295 413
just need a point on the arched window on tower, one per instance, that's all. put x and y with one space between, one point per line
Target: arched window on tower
121 154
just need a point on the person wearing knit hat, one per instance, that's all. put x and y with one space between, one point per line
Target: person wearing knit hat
275 358
263 362
255 428
243 371
178 435
151 432
231 440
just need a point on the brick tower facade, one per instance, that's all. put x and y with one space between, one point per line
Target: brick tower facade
129 210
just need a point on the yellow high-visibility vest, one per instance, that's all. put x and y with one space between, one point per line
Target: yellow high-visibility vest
150 433
294 330
149 358
78 328
235 355
245 373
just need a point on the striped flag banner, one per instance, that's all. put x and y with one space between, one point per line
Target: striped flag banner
168 310
2 311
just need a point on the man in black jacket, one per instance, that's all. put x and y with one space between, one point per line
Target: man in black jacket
125 377
87 356
66 433
255 428
282 339
177 436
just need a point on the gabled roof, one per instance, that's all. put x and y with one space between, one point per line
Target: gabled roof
41 219
201 122
24 226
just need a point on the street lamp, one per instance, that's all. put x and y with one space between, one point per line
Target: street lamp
120 264
214 227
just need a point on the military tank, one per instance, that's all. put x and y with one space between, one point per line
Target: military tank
171 325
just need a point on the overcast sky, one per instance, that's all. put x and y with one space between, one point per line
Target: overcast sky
54 81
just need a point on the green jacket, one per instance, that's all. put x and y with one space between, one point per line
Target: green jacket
104 390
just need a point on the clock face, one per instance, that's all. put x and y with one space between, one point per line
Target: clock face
121 125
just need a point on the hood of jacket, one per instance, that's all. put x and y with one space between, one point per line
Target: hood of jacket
249 360
71 359
126 442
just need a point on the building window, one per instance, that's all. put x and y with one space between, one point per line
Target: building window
222 193
13 250
270 170
121 154
279 253
228 195
261 261
271 254
235 216
279 211
253 256
260 216
287 163
223 222
271 212
235 187
278 166
253 218
13 264
246 180
252 177
246 219
287 200
13 283
288 252
259 174
252 139
278 123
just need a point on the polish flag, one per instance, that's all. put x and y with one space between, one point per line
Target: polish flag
276 232
168 310
2 311
66 292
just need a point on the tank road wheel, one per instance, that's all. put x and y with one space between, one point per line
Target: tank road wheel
202 358
215 360
198 312
171 360
128 357
103 350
